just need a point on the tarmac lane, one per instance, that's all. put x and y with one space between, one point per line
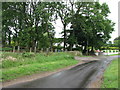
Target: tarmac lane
77 77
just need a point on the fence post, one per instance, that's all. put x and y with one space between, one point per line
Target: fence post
55 50
41 50
65 50
18 48
35 49
47 51
13 49
30 49
51 49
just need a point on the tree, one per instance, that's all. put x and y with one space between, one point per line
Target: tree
117 42
30 24
27 24
91 26
64 14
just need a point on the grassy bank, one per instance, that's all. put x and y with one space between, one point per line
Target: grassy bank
19 64
111 75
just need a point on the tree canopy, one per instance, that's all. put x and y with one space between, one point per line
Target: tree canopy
117 42
30 24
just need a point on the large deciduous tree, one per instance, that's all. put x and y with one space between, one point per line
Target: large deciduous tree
30 24
91 26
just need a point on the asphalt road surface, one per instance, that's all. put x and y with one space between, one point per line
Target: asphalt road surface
77 77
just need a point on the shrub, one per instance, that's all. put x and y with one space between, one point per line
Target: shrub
75 53
5 49
27 54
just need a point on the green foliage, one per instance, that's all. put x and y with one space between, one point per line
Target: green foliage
27 54
38 58
28 24
109 48
33 27
117 42
90 24
40 63
57 47
6 49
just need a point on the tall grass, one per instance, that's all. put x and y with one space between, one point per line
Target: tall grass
40 62
111 75
38 58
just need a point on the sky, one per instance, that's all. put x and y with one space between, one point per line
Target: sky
113 6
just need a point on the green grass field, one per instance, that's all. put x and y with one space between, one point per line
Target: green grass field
19 64
111 75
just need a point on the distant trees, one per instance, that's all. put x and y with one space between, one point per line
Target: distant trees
112 46
29 25
117 42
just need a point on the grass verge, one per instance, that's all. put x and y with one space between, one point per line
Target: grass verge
111 75
15 65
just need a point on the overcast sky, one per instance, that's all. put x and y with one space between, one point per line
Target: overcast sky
113 6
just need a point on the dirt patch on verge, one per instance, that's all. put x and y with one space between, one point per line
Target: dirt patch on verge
8 58
96 83
86 58
98 79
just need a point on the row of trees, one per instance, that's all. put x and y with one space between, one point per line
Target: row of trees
30 24
117 42
112 46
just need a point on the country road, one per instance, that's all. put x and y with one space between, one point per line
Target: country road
79 76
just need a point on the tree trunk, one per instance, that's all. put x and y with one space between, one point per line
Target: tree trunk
92 49
64 37
71 47
35 49
30 50
50 37
9 38
18 48
85 49
13 49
